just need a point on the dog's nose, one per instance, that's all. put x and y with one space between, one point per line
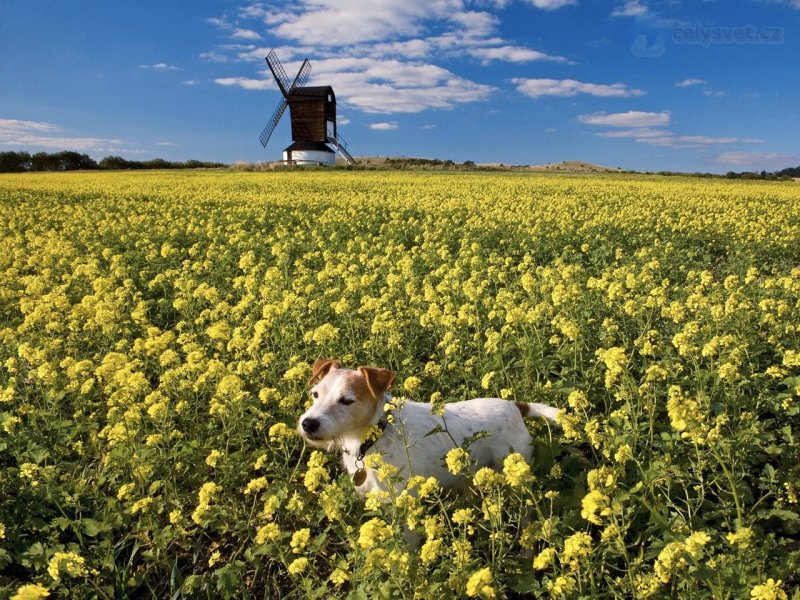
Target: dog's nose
310 424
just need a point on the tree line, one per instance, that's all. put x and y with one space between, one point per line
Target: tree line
781 175
24 162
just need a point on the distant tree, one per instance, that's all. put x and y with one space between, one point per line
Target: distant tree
14 162
113 163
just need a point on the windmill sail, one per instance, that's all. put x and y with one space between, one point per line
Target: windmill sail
278 73
302 75
273 122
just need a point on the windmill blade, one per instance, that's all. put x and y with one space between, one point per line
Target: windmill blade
273 122
278 72
302 75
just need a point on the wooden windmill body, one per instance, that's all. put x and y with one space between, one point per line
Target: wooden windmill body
313 118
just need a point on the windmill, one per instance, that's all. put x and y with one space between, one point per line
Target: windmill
313 114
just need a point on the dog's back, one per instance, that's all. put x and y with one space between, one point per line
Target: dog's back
410 445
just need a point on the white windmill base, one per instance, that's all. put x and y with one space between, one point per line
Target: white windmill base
309 153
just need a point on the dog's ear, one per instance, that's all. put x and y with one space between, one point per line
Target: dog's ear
321 368
378 380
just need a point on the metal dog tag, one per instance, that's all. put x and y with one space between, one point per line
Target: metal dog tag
359 477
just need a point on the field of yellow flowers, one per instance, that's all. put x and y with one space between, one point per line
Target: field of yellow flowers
156 336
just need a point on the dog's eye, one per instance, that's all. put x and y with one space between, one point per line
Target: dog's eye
345 400
315 394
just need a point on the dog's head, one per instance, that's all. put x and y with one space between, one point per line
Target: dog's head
345 401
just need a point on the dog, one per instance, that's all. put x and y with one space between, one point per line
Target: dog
347 402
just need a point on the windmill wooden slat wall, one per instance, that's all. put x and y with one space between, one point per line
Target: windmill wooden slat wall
312 109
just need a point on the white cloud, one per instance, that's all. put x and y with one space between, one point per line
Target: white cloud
647 128
245 34
631 118
631 8
536 88
160 67
638 133
427 127
668 139
166 144
40 134
191 82
692 141
384 126
714 93
342 120
386 85
517 54
552 4
477 23
792 3
381 55
212 56
340 22
9 126
690 82
219 22
757 161
246 83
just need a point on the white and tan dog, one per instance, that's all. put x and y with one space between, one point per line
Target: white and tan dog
349 401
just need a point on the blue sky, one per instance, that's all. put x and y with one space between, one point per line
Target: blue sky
643 84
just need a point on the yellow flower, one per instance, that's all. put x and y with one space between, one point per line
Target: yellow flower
517 470
317 474
300 540
213 458
141 505
338 577
486 381
561 585
373 532
215 557
430 550
695 543
271 504
623 454
463 516
544 559
218 331
578 400
255 485
595 506
456 460
742 538
791 358
267 533
31 591
331 499
576 546
462 550
280 431
668 559
298 565
616 362
479 584
428 487
437 403
486 478
125 490
412 384
68 563
770 590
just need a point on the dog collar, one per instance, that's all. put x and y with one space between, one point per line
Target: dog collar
382 424
361 473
